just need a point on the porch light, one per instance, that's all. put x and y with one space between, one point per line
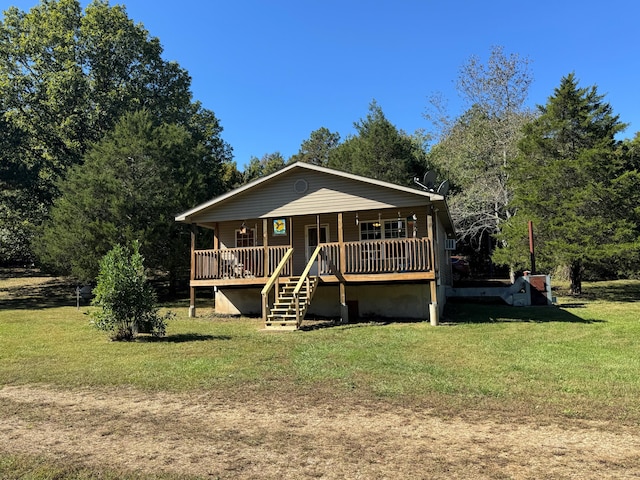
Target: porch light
357 221
378 223
243 229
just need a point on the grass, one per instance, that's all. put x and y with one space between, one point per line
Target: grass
20 467
580 359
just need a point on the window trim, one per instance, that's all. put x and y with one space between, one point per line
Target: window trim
237 234
383 228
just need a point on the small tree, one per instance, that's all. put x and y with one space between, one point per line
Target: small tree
127 303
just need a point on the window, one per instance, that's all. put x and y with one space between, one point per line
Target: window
370 231
395 228
380 257
247 239
377 230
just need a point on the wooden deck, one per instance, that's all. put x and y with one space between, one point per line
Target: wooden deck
366 261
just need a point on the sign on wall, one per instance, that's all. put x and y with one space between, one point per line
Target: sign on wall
280 226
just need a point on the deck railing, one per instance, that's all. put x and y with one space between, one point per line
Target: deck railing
367 257
242 262
379 256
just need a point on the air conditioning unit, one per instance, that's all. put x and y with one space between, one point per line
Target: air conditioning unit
450 244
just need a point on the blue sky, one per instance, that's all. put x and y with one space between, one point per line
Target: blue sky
275 70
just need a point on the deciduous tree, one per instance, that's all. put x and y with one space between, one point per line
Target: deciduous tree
125 300
66 78
476 148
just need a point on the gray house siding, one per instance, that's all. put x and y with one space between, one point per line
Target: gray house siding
325 193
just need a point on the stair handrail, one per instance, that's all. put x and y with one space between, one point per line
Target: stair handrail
304 279
272 281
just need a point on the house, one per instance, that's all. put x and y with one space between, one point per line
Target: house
313 240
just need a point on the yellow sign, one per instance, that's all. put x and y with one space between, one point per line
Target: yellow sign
279 226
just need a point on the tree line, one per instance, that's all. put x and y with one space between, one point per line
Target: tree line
102 143
100 140
560 166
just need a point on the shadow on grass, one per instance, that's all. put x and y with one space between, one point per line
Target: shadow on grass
19 272
357 323
614 291
52 293
605 290
310 325
459 313
183 338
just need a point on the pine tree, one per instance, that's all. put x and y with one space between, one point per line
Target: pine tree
380 151
565 180
128 188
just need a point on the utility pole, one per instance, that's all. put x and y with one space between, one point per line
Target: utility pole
532 249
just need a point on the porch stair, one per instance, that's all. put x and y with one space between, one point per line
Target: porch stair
282 314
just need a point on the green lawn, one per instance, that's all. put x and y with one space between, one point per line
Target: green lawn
581 359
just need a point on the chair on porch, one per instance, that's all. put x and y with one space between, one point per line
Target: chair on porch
231 266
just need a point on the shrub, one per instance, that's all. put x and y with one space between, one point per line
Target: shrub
126 301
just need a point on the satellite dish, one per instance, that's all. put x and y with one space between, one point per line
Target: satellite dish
443 189
429 179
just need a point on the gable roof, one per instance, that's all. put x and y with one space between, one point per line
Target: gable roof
332 184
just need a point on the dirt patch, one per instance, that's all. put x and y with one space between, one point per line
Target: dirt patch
260 437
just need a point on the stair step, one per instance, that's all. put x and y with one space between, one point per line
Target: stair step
285 302
283 313
281 328
287 317
281 324
290 294
290 301
285 308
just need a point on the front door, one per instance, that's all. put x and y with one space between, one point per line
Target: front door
311 239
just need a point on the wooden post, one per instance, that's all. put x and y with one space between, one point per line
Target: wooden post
216 238
265 308
431 232
532 252
290 232
433 306
291 245
344 310
265 245
318 240
192 274
343 248
216 255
